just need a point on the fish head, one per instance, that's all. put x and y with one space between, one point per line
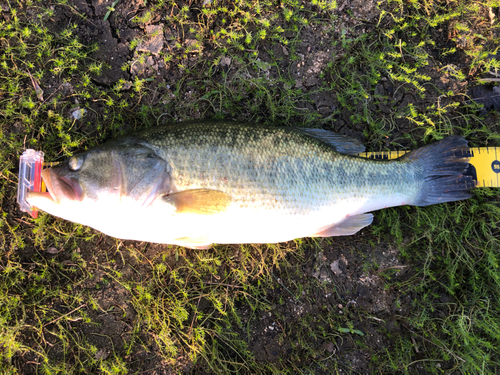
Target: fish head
105 183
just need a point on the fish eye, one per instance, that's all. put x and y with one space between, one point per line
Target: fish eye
75 162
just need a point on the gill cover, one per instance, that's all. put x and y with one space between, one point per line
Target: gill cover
107 174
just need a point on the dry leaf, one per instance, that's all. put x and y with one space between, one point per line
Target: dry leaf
101 354
38 90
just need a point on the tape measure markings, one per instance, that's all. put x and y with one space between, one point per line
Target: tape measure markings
495 165
484 165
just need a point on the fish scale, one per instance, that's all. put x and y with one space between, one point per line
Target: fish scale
254 168
296 174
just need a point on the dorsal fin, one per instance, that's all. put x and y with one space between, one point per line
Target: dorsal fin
341 143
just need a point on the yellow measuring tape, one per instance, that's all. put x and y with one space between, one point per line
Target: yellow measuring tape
484 164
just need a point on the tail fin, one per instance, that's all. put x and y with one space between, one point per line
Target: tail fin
443 165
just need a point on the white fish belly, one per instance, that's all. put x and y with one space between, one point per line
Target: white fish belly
263 226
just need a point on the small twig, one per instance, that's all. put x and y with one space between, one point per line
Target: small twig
489 79
401 50
225 302
414 344
388 268
8 179
232 286
377 319
45 340
22 221
194 315
282 330
62 316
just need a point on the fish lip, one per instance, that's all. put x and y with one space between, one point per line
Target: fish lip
61 186
48 183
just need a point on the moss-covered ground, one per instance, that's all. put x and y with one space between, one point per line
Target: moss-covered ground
416 292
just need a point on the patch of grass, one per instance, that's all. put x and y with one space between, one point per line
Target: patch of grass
454 322
392 65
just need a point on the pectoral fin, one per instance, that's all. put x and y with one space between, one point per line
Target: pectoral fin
199 201
349 226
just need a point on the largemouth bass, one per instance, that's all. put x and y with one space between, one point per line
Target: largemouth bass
194 184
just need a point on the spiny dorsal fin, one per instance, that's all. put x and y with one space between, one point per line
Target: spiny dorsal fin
341 143
349 226
199 201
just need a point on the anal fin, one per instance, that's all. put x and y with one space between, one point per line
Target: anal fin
347 227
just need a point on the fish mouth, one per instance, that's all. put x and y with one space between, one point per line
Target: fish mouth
60 187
